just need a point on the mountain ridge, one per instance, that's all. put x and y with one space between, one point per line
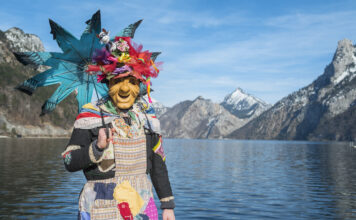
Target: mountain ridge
298 115
244 105
19 113
323 110
202 118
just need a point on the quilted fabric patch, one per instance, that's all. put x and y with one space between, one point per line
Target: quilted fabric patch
151 210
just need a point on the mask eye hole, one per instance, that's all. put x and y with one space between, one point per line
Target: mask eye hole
117 80
133 81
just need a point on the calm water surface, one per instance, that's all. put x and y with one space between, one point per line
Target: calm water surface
211 179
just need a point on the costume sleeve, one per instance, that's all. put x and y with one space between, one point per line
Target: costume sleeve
81 151
159 174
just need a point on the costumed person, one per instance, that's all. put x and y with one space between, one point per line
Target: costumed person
117 141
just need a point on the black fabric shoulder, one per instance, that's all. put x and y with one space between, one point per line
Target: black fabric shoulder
80 137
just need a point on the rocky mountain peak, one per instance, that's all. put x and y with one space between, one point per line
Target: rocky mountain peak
343 63
238 89
237 95
344 48
343 56
19 113
159 108
200 118
19 41
16 31
315 111
244 105
199 98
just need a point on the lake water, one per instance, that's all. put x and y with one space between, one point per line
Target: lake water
211 179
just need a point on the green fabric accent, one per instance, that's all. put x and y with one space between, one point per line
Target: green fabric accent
109 77
116 53
132 115
110 107
68 158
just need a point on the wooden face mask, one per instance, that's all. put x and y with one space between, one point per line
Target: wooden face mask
124 91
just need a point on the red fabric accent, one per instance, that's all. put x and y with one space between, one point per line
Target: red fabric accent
106 68
103 68
125 211
93 68
64 156
141 68
134 74
87 115
140 63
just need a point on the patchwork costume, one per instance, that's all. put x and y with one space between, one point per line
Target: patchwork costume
109 76
118 186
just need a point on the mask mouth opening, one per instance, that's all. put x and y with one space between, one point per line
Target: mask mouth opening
124 96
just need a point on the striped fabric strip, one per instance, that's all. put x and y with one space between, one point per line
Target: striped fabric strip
95 112
91 122
130 156
158 149
88 115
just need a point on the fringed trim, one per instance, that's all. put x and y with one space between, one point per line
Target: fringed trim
70 148
28 87
105 162
48 107
167 199
89 123
92 156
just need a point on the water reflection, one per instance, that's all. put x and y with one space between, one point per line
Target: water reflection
211 179
262 179
33 180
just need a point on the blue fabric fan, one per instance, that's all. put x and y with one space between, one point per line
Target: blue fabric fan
68 68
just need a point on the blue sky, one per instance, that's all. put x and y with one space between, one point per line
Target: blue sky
209 48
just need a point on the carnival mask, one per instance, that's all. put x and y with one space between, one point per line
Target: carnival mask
124 91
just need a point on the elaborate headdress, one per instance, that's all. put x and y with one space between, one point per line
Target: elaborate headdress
121 57
86 60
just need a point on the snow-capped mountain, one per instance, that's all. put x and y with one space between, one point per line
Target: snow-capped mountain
244 105
19 113
200 118
20 41
159 108
315 111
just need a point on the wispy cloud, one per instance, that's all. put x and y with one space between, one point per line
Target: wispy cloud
277 61
213 50
305 20
199 19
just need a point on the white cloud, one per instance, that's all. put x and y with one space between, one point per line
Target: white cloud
304 20
271 64
211 54
198 19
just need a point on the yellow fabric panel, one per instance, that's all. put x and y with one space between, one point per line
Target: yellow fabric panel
126 193
90 106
